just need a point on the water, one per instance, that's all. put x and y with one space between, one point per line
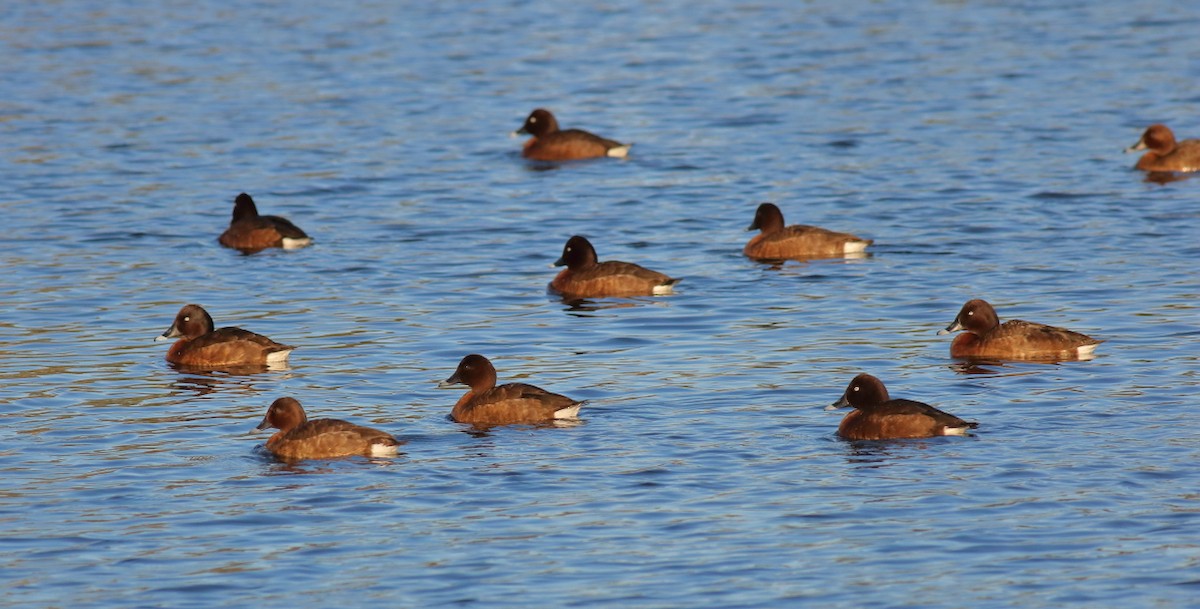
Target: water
977 143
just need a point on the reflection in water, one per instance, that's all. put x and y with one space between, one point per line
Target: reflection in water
483 430
776 264
975 367
872 454
1166 177
540 166
204 382
1002 369
584 305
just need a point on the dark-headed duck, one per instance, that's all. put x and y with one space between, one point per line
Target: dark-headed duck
250 232
798 241
1164 153
985 337
549 143
877 417
490 404
585 277
200 346
299 438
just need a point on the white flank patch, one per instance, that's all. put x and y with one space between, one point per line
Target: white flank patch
570 412
854 247
278 357
291 244
619 152
954 431
662 290
383 450
1087 350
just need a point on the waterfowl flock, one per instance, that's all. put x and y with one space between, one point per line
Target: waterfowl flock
874 415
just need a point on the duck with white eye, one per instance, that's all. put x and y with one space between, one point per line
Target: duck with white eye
984 337
549 143
202 346
878 417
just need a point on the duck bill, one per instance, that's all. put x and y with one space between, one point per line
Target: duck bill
171 332
560 262
954 326
450 382
265 424
1140 145
841 403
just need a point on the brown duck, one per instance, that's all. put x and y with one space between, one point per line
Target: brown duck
489 404
877 417
300 438
798 241
1164 153
200 346
585 277
985 337
549 143
250 232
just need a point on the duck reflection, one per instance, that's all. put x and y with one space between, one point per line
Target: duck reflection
204 382
1163 178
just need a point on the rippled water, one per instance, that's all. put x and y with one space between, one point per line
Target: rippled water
978 143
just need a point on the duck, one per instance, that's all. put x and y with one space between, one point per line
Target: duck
249 232
878 417
549 143
984 337
585 277
300 438
200 346
1164 153
489 404
798 241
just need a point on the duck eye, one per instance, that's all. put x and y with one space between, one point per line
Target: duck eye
187 318
855 387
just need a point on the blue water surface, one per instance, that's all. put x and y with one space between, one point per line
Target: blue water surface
978 143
